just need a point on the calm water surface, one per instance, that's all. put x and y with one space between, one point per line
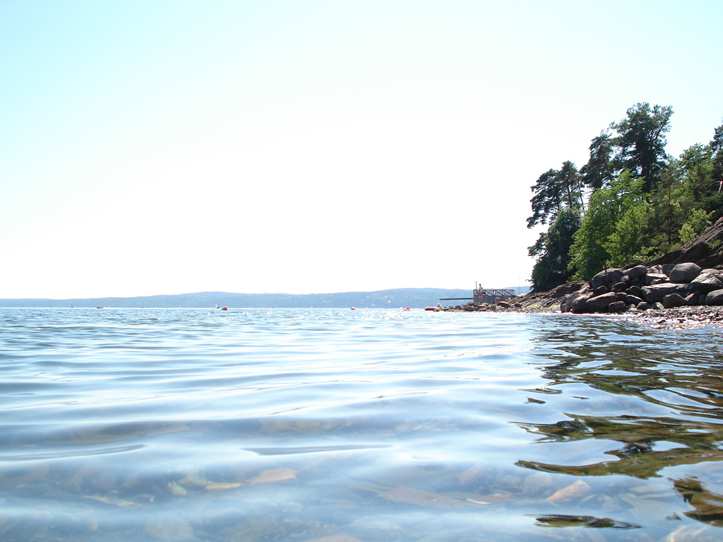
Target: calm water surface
342 426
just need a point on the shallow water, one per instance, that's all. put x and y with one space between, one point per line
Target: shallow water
372 425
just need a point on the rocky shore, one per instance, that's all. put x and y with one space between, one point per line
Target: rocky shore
682 289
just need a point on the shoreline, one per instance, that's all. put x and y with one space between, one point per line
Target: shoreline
687 317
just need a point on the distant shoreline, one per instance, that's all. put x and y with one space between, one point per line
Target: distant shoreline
390 298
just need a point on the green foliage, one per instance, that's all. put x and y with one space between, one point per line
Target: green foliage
553 249
599 233
697 221
668 210
716 147
636 143
627 243
554 191
642 203
599 170
641 141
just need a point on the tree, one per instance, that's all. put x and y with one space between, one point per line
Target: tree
716 147
641 141
554 191
628 241
694 225
570 182
668 212
553 249
546 199
598 234
599 170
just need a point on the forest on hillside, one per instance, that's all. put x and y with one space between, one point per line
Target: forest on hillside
630 202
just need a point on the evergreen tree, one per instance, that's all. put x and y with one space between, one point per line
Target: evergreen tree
554 191
557 200
599 170
553 249
641 140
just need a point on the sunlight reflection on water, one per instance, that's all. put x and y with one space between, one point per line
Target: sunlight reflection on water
334 425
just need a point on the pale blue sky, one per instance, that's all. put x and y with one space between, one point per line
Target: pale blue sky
164 147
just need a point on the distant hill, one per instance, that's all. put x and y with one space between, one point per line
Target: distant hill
401 297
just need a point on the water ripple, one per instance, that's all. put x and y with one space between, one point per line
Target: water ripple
337 425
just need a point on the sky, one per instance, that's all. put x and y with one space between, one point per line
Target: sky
160 147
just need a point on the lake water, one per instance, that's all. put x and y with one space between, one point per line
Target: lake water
368 425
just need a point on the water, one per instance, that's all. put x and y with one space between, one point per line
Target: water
370 425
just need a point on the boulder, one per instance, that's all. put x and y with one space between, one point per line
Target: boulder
600 290
656 278
644 306
606 277
684 272
712 271
657 292
673 300
714 298
632 299
637 291
635 274
566 303
620 286
600 303
706 282
658 306
579 304
617 306
694 299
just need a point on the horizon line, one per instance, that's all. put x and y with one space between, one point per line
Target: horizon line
220 292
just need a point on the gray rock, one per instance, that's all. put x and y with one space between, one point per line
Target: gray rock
712 271
658 305
714 298
673 300
684 272
568 300
617 306
579 304
706 282
694 299
620 286
644 306
606 277
632 299
636 273
655 278
657 292
600 290
667 268
600 303
637 291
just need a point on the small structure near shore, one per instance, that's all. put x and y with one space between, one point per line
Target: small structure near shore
490 295
484 296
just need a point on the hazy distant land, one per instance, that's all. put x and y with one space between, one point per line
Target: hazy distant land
400 297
